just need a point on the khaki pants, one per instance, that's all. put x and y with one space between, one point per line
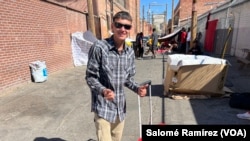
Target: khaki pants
107 131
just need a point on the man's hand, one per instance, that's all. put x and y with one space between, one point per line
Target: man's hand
142 90
108 94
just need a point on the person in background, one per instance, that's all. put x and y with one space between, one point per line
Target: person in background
173 46
188 39
196 49
110 68
179 40
140 45
154 45
183 40
136 47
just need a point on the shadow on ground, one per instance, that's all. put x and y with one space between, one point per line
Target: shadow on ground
46 139
54 139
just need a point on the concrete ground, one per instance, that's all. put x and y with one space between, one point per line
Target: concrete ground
59 109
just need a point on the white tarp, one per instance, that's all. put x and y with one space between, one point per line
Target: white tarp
170 35
177 60
81 43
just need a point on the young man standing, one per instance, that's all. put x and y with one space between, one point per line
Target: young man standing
154 42
188 40
111 67
183 40
140 45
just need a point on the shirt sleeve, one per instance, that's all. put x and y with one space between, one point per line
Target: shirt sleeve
92 71
130 82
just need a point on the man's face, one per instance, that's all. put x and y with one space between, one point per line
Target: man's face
121 29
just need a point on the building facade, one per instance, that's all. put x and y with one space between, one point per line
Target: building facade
41 30
183 10
229 15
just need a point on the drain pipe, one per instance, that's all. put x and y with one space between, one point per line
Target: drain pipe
237 33
226 24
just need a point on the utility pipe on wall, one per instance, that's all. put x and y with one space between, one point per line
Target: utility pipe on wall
91 19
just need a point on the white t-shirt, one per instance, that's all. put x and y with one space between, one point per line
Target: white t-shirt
189 36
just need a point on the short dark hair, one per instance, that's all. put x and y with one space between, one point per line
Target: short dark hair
122 15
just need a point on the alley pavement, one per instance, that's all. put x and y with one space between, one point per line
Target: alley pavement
59 109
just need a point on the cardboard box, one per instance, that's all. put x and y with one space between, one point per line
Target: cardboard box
197 78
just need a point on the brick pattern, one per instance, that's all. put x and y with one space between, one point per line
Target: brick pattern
41 30
35 30
202 6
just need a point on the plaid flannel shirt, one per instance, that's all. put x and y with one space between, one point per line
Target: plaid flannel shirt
107 68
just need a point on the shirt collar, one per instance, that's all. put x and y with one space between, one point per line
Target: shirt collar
111 42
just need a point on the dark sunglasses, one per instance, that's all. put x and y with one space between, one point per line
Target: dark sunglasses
119 25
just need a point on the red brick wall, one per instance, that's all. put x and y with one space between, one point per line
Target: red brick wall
202 6
134 10
35 30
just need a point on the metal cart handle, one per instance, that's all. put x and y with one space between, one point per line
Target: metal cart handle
146 82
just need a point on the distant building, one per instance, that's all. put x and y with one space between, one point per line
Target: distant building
158 21
183 10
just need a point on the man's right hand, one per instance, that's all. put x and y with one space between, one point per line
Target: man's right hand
108 94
